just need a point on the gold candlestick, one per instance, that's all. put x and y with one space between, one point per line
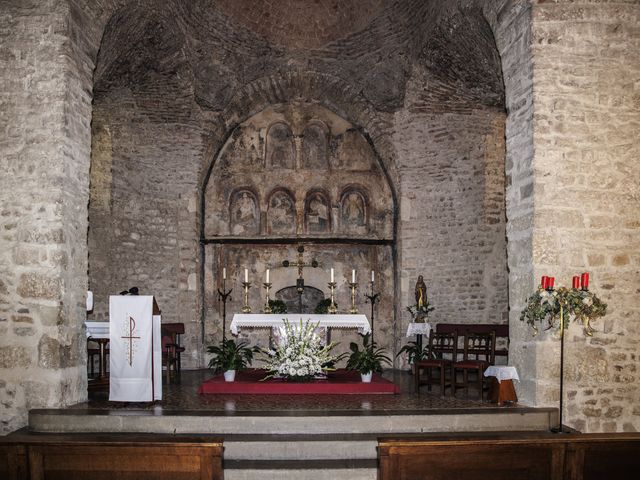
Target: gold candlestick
267 307
353 310
246 308
332 307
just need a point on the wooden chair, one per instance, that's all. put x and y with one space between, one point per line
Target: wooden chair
479 353
92 354
171 348
440 344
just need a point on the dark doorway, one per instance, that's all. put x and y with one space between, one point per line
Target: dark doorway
310 298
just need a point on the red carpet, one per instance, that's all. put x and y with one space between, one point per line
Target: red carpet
338 382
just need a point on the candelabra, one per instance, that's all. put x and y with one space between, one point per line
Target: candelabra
332 307
246 308
223 296
267 307
354 286
373 299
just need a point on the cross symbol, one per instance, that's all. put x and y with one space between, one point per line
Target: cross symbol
300 263
132 327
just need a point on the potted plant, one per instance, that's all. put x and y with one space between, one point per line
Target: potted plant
367 360
415 352
230 357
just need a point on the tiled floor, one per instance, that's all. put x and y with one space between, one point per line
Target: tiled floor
183 396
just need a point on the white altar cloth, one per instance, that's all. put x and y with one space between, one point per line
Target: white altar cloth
418 329
135 357
502 372
97 329
260 320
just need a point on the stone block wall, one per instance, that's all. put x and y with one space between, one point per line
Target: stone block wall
45 110
586 126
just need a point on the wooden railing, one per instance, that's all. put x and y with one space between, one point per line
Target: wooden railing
510 456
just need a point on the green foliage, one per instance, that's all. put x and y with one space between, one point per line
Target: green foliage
230 355
420 312
369 359
581 305
414 352
323 306
278 306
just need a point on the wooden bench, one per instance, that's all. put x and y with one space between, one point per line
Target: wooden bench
509 456
25 456
501 330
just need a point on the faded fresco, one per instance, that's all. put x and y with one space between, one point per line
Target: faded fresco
244 213
281 217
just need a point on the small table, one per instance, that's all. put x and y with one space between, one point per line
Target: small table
502 389
418 329
99 332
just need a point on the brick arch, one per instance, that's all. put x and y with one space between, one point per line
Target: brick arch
329 91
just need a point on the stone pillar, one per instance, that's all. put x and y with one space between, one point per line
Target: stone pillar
44 156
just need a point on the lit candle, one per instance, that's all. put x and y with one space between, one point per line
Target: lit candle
373 276
267 275
224 273
332 275
246 275
353 276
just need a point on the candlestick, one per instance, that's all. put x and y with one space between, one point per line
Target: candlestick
224 273
246 285
267 280
223 296
373 276
353 285
373 298
246 275
267 286
332 306
332 279
353 276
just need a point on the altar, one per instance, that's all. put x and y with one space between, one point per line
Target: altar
259 320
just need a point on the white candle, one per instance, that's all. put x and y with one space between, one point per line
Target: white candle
224 273
267 275
332 275
373 276
353 276
246 275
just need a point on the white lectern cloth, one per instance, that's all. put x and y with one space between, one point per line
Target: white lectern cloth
135 357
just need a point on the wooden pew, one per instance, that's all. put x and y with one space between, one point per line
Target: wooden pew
510 456
501 330
25 456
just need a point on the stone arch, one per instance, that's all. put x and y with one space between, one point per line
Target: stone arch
315 146
354 209
244 212
280 149
317 213
282 217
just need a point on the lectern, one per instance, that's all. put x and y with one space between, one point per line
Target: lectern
135 359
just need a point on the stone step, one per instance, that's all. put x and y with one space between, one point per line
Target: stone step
300 447
336 423
300 470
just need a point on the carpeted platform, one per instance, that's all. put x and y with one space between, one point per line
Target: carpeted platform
340 382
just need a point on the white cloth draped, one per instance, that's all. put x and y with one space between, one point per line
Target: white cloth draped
502 372
256 320
135 357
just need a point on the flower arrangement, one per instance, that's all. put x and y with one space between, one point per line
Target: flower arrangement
420 312
300 356
550 305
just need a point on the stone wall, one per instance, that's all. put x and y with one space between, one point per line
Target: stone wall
586 98
45 105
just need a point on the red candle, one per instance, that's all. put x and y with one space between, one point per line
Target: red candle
584 280
552 280
576 281
544 282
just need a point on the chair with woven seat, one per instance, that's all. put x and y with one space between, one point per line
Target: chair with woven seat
479 353
440 344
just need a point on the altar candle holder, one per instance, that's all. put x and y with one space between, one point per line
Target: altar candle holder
373 298
267 307
354 286
332 307
246 308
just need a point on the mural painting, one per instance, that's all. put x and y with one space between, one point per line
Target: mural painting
281 217
244 213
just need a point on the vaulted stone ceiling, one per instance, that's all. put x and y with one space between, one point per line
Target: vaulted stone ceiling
211 48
